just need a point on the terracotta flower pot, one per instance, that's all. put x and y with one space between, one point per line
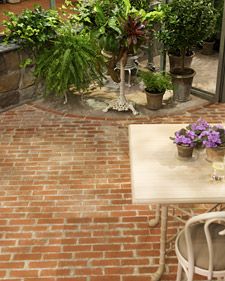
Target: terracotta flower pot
154 101
184 151
215 154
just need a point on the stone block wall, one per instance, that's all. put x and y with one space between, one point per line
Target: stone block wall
17 84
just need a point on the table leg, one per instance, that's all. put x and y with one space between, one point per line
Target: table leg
157 275
155 221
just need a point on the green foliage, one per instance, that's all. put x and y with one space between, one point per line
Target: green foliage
219 8
72 59
186 24
141 4
156 82
118 25
26 62
31 28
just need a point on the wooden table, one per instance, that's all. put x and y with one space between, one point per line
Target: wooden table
159 176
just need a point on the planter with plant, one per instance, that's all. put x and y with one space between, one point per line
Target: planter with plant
210 42
186 24
156 84
185 142
202 135
32 31
198 127
24 35
214 141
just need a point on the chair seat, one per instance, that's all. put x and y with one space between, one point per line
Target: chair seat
200 247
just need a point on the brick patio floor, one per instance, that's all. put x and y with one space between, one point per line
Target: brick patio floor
65 198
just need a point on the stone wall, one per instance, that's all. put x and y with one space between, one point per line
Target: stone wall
17 84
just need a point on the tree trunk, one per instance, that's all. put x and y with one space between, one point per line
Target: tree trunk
183 51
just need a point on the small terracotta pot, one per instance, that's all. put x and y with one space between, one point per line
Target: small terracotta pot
215 154
185 151
154 101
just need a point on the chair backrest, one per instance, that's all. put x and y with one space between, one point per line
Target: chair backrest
207 219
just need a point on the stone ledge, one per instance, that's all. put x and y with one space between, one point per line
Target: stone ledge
8 47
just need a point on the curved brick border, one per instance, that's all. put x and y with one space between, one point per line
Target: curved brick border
127 118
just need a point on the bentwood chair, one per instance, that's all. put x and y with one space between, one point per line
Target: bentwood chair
200 246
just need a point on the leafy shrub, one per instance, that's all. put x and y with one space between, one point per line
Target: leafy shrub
72 59
31 28
186 24
141 4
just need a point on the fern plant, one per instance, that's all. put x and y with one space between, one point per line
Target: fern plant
156 82
73 59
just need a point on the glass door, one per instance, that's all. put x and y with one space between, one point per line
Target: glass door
206 60
220 90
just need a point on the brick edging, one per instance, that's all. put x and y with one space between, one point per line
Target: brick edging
131 118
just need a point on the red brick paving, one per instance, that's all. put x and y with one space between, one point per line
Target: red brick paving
65 199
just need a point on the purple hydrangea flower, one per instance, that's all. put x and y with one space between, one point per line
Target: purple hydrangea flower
185 137
199 126
211 138
201 134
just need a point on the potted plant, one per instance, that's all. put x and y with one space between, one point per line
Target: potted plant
156 84
198 128
186 24
185 142
214 141
210 42
201 135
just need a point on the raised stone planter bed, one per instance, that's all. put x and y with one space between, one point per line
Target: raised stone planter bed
16 84
13 1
